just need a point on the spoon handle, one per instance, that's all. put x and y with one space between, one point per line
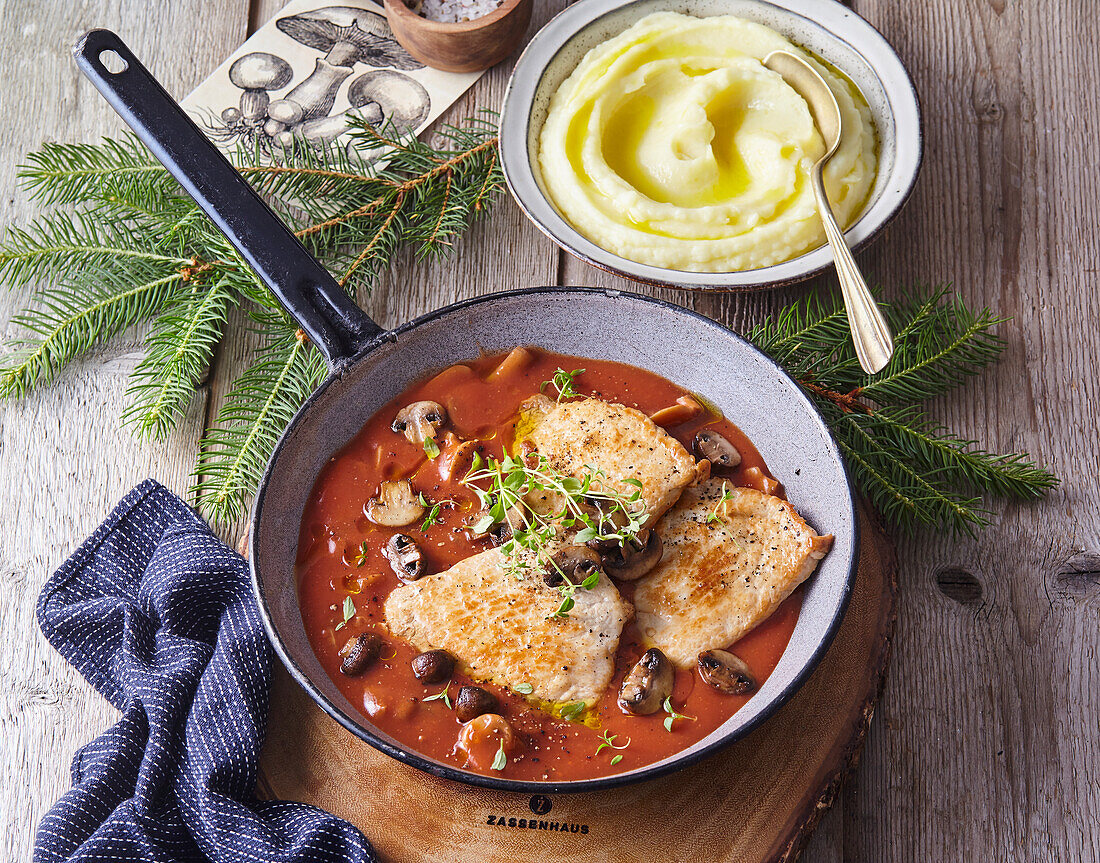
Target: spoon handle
870 332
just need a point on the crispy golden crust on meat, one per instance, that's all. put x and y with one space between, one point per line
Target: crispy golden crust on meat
621 441
717 581
501 628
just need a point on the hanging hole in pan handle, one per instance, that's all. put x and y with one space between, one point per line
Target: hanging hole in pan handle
113 62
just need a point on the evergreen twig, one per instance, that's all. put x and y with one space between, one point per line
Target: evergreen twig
913 470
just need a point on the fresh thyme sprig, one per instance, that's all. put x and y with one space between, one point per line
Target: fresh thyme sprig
564 382
517 485
607 741
673 715
713 517
123 244
433 509
443 695
349 613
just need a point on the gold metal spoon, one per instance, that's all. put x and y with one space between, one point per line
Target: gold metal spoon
870 333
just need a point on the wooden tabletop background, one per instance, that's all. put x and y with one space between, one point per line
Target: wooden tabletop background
986 745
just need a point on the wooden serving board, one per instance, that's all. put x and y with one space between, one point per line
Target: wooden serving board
754 802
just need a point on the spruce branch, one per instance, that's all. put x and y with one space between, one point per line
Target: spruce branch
234 453
913 470
177 353
70 319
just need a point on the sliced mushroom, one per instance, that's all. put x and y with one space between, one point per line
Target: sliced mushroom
576 563
395 506
686 408
727 672
473 701
632 560
419 420
404 556
716 449
456 463
433 666
647 684
364 650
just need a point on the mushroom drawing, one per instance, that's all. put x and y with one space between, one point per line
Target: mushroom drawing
256 74
376 97
347 36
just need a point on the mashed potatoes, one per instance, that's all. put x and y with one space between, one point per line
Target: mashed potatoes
672 145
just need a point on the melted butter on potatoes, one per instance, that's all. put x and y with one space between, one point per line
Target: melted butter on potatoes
672 145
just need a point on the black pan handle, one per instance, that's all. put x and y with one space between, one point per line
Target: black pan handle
325 312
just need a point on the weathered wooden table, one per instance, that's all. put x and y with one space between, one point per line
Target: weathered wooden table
987 742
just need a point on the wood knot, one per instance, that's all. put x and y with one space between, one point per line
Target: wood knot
987 107
1079 575
958 584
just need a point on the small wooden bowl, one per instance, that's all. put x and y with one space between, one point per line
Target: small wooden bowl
467 46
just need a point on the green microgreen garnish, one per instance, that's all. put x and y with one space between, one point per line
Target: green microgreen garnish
349 613
589 505
443 696
524 689
608 742
673 715
501 760
727 495
572 711
431 448
564 382
361 555
433 516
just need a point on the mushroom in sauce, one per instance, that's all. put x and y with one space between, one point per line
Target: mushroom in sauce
419 420
576 563
727 672
364 650
395 506
716 449
404 556
482 737
433 666
647 684
473 701
636 557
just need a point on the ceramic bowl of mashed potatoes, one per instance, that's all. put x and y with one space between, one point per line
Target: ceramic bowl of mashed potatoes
649 139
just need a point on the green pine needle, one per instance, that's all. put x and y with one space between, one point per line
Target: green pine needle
177 353
234 453
68 320
913 470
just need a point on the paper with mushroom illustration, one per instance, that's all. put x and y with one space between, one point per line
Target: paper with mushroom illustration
312 66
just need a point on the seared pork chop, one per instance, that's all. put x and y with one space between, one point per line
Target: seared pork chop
622 442
501 628
720 577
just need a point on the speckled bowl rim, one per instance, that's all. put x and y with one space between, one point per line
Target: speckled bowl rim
830 21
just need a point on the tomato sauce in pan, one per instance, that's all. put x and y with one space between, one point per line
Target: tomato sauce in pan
340 556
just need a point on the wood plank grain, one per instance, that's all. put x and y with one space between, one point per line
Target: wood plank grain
986 745
64 460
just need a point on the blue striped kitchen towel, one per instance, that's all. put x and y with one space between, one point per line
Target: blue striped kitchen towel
159 616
